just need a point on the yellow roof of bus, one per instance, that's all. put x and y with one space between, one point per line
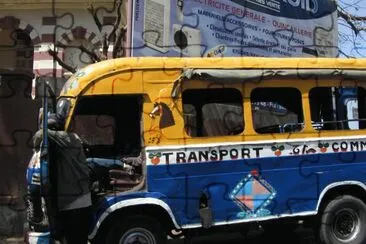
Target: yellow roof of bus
84 77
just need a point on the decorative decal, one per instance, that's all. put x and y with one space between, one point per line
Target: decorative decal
83 72
153 136
167 118
323 147
69 85
253 194
154 140
80 74
155 158
303 149
277 149
73 84
220 153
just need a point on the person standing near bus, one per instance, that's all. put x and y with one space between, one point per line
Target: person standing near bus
68 201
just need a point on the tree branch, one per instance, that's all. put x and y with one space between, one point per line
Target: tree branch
93 13
348 18
91 53
95 57
345 54
116 24
118 43
352 20
105 45
355 17
54 54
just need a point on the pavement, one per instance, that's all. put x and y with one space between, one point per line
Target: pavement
300 236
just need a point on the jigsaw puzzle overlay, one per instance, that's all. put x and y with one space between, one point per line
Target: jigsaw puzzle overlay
53 40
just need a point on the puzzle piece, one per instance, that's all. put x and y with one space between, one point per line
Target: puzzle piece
171 28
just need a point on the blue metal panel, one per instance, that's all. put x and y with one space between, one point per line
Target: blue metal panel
296 182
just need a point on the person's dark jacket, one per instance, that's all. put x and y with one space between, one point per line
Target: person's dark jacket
68 170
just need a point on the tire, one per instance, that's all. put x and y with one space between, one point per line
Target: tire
137 228
343 221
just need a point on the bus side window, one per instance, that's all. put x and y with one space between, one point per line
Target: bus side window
337 108
277 110
213 112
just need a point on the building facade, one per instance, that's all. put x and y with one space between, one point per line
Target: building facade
28 29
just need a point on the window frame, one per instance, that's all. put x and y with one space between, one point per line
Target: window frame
281 84
197 87
119 147
339 84
302 85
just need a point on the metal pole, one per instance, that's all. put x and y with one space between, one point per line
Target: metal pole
44 146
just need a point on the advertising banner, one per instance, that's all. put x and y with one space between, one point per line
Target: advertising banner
281 28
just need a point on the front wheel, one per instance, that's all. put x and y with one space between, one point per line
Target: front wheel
137 230
343 221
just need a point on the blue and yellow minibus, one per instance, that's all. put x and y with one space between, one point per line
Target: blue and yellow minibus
222 142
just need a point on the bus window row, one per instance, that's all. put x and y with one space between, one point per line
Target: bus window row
219 112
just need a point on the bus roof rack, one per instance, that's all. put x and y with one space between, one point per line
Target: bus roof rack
240 75
257 75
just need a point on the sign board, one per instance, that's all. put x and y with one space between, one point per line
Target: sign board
281 28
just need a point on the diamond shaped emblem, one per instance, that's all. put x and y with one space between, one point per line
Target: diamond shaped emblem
252 194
